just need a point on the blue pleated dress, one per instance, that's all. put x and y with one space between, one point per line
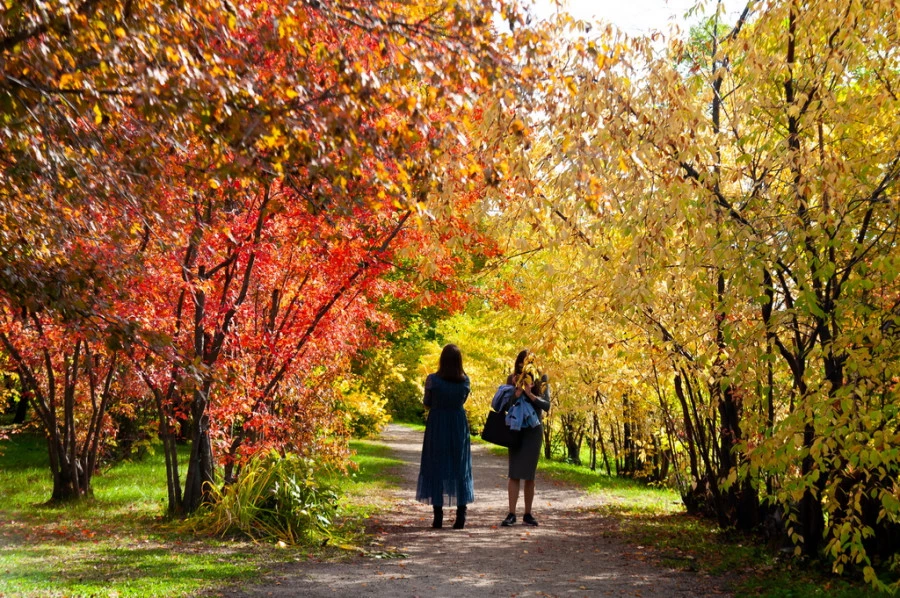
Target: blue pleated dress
445 471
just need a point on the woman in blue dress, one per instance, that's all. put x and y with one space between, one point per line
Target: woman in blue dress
445 472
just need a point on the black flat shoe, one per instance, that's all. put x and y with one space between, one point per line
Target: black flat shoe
510 520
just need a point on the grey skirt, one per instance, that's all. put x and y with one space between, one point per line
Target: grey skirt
523 460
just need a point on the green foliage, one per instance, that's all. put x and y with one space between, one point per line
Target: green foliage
136 433
405 395
391 372
397 382
276 497
9 386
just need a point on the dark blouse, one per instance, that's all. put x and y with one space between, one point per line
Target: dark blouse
444 394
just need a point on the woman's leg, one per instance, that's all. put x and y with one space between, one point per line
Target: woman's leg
460 517
512 489
529 495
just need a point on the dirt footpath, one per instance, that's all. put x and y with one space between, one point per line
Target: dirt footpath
571 553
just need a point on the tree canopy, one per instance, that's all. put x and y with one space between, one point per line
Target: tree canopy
227 215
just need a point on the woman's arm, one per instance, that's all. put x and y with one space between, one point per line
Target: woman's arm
539 402
427 398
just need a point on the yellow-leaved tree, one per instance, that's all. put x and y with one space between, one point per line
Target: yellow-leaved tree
726 203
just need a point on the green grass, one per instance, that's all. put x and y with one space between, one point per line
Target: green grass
119 543
364 489
655 518
104 569
364 492
116 544
418 426
629 495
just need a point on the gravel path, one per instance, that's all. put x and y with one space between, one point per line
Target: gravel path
572 553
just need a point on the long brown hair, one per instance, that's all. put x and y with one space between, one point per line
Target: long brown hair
450 366
520 361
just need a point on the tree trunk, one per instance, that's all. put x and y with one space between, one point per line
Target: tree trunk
72 463
660 460
573 450
688 431
617 451
741 503
628 445
603 450
572 438
173 482
170 447
21 410
812 518
201 466
71 481
548 436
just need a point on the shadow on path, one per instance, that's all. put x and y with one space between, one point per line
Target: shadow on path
572 553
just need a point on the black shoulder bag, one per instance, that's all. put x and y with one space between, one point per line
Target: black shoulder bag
497 432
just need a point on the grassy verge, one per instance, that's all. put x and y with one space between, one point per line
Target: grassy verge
418 426
364 490
629 495
118 544
654 518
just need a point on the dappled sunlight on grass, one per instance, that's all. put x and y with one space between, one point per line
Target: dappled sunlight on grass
416 426
374 461
632 495
74 570
365 490
372 476
120 541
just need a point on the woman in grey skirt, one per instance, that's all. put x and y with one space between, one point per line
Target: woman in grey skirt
523 459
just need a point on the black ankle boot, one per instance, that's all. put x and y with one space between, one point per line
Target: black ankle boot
460 517
438 522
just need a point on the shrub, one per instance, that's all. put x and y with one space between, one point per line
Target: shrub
275 497
363 409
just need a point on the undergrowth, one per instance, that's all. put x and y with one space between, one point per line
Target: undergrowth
654 518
